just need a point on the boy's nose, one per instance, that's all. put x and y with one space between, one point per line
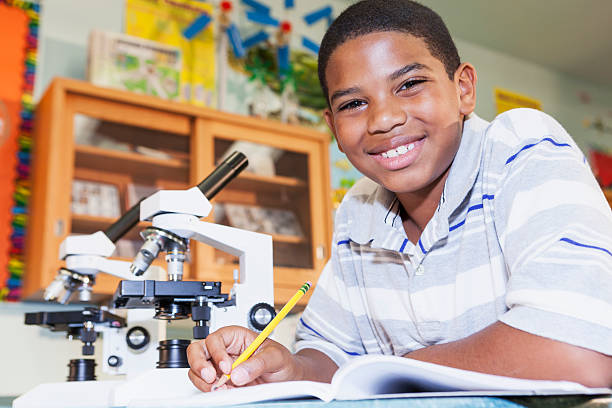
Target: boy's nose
385 116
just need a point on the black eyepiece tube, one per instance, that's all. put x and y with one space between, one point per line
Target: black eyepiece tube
210 186
223 174
124 223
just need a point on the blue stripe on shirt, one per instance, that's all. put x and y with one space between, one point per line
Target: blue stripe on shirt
422 248
323 337
472 208
571 241
547 139
344 242
403 245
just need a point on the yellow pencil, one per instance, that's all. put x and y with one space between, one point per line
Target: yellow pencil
265 333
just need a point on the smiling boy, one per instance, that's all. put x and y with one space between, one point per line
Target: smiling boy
483 246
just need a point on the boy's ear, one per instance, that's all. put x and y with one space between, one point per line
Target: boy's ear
466 79
329 118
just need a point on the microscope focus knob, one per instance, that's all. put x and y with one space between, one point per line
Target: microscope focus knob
114 361
260 315
88 349
137 337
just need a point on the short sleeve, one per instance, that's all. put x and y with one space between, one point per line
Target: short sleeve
555 229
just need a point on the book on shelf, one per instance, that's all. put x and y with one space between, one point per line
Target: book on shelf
95 199
274 221
134 64
378 377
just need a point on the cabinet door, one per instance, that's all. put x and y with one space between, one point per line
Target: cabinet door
281 193
122 153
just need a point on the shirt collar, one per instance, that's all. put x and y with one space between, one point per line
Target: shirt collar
372 220
466 164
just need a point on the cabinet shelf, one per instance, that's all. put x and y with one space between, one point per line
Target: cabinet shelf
289 239
96 158
256 182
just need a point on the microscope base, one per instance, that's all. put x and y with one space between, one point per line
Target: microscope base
78 394
161 383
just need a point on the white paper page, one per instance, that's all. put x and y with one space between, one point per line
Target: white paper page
379 375
263 392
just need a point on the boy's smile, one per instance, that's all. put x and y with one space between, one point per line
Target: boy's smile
395 112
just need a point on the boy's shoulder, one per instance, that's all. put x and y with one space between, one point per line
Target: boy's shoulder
364 197
516 126
360 194
364 187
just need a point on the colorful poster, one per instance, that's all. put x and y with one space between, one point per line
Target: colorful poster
13 43
165 21
506 100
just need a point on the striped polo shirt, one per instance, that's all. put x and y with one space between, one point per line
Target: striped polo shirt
522 235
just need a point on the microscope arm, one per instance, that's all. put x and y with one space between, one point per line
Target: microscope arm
253 249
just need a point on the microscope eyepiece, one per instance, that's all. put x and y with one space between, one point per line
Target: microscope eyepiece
223 174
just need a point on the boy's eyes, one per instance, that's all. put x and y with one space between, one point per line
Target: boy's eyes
410 83
351 105
354 104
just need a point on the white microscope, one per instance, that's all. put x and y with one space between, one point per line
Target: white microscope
175 217
175 220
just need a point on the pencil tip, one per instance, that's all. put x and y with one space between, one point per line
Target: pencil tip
220 383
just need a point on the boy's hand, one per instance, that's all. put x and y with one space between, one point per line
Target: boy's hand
213 356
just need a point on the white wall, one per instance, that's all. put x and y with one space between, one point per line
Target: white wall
559 93
64 30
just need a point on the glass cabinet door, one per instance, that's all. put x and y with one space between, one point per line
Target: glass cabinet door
115 166
270 196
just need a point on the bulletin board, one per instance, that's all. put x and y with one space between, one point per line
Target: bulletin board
18 44
164 21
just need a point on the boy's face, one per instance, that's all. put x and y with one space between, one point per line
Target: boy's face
394 111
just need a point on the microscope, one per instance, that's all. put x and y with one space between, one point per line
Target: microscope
175 217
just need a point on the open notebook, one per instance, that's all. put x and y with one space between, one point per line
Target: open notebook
378 376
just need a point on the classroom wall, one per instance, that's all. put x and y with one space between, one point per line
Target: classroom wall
572 101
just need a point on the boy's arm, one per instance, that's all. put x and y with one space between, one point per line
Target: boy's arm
503 350
314 366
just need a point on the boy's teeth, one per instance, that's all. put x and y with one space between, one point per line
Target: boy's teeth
398 151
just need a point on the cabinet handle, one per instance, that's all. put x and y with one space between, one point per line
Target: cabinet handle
320 251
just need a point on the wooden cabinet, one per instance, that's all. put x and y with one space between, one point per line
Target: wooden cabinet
129 145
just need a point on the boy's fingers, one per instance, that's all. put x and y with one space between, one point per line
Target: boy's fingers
198 382
216 348
266 361
248 371
198 357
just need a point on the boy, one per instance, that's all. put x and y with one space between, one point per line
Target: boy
482 246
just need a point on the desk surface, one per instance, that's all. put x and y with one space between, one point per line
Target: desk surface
440 402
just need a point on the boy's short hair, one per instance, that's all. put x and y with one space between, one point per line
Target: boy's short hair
406 16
